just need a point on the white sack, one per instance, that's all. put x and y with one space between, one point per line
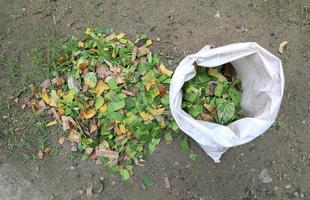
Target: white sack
262 80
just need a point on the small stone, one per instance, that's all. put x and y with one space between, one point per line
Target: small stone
72 168
80 192
264 176
304 122
170 62
24 9
299 195
288 186
89 192
217 15
272 33
73 146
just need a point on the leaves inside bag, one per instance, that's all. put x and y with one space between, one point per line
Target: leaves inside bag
213 95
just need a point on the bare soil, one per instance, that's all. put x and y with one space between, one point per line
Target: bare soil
184 27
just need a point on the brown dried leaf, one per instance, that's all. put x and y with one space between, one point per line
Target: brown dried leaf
51 123
89 150
20 128
58 81
134 54
128 92
74 136
102 71
82 67
162 90
138 163
61 139
282 46
40 154
100 152
68 123
81 44
47 150
87 114
46 84
120 80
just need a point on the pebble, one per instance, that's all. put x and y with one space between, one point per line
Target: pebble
288 186
72 168
217 15
298 195
264 176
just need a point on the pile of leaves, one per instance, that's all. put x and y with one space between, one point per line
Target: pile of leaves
110 95
213 95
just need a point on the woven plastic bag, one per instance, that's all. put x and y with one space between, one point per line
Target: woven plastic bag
262 80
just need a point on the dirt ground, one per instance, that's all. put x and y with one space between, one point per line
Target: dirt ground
27 27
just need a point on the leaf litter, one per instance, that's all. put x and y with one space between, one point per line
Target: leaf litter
110 94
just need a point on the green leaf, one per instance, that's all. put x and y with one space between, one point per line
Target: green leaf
196 110
168 137
113 106
184 144
147 181
125 174
68 98
235 96
225 110
90 79
99 102
193 156
112 84
152 146
219 89
191 97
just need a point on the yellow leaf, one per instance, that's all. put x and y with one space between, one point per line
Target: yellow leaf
93 128
122 128
101 87
87 32
54 98
120 35
87 114
149 84
45 97
74 136
162 124
52 123
89 150
104 108
110 37
158 111
145 116
81 44
164 70
148 43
